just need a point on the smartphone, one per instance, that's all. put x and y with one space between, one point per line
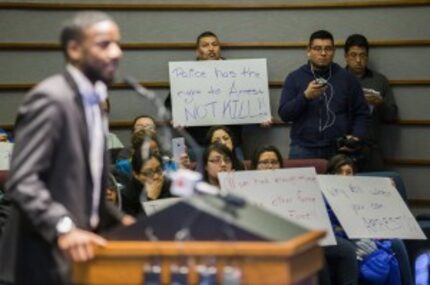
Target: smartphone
178 148
321 81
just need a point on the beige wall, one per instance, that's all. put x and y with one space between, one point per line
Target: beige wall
295 25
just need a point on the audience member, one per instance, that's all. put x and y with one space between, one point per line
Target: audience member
323 101
147 183
142 122
216 158
341 266
4 137
378 94
208 47
393 272
223 135
141 137
267 157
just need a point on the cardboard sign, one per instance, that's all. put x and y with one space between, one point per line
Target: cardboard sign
219 92
369 207
291 193
5 155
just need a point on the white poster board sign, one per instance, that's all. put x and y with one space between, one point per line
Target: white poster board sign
369 207
293 194
5 155
152 207
219 92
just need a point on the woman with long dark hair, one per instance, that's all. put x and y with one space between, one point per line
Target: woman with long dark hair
147 182
223 135
217 158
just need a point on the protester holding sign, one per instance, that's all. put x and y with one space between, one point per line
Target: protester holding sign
208 47
341 264
380 261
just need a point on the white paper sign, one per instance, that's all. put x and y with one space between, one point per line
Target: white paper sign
369 207
290 193
152 207
219 92
5 155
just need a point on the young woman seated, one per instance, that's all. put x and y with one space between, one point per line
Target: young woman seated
217 158
147 181
223 135
267 157
398 270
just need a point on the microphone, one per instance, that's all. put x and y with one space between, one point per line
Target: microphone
228 198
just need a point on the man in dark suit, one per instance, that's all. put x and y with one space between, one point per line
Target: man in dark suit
59 165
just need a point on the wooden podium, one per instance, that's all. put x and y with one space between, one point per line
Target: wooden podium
291 262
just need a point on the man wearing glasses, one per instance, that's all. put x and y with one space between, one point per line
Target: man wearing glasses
377 92
323 101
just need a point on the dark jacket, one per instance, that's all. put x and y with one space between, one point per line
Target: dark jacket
319 122
49 178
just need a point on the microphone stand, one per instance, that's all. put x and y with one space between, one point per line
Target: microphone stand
164 115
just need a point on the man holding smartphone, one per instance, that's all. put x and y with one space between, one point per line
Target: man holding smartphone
377 92
323 101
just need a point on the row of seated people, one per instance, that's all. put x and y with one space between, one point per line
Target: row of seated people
144 181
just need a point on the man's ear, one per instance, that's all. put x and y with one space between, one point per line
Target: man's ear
308 51
74 51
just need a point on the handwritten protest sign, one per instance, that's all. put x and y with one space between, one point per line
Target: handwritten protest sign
369 207
219 92
291 193
152 207
5 155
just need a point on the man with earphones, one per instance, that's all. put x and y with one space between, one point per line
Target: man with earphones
324 103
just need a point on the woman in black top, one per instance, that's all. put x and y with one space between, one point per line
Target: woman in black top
148 182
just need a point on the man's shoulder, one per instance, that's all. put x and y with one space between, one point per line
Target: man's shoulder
50 85
54 87
375 75
299 72
344 75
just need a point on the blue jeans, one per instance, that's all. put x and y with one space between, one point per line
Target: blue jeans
301 152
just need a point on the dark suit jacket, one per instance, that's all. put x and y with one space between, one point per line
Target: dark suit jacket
49 178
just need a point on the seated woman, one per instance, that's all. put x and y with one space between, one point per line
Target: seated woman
267 157
343 165
140 138
217 158
223 135
147 182
143 122
341 264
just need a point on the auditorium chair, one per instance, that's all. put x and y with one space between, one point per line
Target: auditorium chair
319 164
